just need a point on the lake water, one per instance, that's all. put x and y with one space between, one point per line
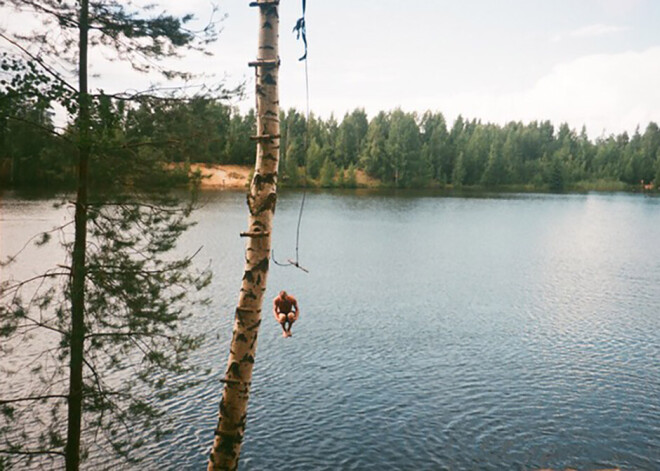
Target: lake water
486 333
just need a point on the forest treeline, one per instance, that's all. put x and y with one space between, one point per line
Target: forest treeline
398 148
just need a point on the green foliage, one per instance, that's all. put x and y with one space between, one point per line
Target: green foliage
29 147
132 293
239 148
555 173
192 131
436 148
328 172
351 177
375 153
136 299
315 159
657 170
458 174
404 149
341 178
291 173
350 137
496 172
398 148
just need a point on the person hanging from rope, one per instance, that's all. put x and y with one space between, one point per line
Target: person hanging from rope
282 310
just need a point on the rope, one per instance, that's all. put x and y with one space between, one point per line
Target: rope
301 32
306 146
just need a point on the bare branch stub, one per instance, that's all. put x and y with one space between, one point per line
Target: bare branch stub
265 137
255 234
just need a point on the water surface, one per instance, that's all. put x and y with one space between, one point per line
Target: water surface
505 332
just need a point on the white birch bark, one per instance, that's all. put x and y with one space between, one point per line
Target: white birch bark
261 200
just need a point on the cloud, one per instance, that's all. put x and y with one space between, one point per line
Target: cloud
590 31
608 93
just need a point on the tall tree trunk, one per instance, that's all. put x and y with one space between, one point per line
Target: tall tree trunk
72 455
261 201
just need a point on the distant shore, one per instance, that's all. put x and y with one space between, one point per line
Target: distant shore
234 177
237 177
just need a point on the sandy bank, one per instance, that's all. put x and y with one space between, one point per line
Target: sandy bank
233 177
223 176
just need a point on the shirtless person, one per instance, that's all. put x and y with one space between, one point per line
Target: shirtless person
282 306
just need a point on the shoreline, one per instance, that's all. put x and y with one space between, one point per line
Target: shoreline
233 177
237 177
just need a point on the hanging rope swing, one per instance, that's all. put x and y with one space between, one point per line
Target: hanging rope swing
301 32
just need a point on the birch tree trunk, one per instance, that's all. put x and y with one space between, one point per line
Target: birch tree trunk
261 200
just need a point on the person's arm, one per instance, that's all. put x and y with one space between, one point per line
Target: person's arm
295 305
275 310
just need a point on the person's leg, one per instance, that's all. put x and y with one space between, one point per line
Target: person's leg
291 317
283 320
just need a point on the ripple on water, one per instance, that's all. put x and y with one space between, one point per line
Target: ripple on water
518 333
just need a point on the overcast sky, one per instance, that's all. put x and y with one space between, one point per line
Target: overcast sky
592 62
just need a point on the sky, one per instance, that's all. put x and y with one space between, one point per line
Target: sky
585 62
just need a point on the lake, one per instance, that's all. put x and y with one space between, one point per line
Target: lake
494 332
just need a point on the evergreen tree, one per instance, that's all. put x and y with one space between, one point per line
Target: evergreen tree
586 153
350 136
512 156
375 155
496 171
437 154
634 170
476 154
397 148
315 159
291 172
351 177
555 176
341 178
404 149
30 145
328 172
240 148
650 146
458 175
117 303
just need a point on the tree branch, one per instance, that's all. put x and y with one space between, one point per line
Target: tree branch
36 324
34 398
5 291
63 18
50 71
11 258
39 126
130 334
31 452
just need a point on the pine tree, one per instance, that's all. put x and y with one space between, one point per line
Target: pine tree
495 172
315 159
458 175
328 172
118 301
351 177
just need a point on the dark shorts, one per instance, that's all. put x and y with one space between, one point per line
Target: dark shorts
286 318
